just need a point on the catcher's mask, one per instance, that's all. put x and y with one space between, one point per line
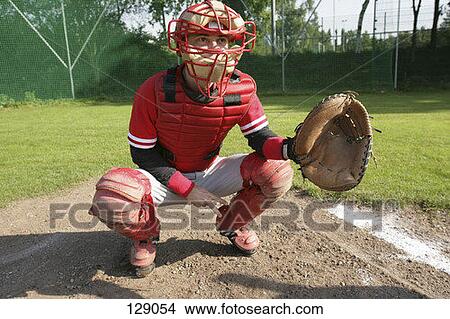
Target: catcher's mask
208 66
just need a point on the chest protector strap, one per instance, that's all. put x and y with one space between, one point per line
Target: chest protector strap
170 85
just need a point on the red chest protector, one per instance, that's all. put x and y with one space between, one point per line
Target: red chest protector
190 133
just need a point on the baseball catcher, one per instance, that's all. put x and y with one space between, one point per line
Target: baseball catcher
179 120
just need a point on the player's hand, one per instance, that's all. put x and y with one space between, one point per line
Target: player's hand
200 197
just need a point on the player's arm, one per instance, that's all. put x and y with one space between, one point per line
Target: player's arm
142 137
255 127
152 161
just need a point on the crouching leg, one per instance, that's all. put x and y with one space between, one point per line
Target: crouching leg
122 201
264 182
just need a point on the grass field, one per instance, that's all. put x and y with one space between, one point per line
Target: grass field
57 145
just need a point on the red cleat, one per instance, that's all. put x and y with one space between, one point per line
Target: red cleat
244 239
142 256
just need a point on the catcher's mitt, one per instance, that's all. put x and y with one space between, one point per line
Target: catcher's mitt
333 144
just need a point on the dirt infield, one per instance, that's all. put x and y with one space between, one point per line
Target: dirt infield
64 261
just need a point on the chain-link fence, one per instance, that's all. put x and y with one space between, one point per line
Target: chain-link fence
86 49
72 49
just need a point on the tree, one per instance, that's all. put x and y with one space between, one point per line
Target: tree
446 23
416 10
249 9
444 31
257 11
352 41
121 7
298 34
157 11
360 23
437 14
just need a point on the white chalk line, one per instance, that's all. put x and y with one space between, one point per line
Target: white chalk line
419 250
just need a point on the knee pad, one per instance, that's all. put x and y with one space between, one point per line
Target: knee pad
274 177
122 202
264 182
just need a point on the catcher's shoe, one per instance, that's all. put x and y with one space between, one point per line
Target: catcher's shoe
142 256
244 239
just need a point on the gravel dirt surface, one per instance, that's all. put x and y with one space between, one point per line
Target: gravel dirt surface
296 259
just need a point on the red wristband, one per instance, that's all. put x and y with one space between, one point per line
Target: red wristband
273 148
180 184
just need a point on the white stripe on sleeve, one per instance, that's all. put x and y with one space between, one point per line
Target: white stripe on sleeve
262 118
264 124
142 140
145 147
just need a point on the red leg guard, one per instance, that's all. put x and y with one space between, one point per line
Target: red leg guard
123 202
264 182
243 208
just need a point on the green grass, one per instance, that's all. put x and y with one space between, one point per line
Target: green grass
57 145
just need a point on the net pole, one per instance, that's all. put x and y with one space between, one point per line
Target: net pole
322 39
72 87
397 43
374 24
274 28
334 24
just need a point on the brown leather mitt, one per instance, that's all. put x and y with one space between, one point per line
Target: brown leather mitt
333 144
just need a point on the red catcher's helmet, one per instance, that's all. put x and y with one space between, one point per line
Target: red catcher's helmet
211 66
